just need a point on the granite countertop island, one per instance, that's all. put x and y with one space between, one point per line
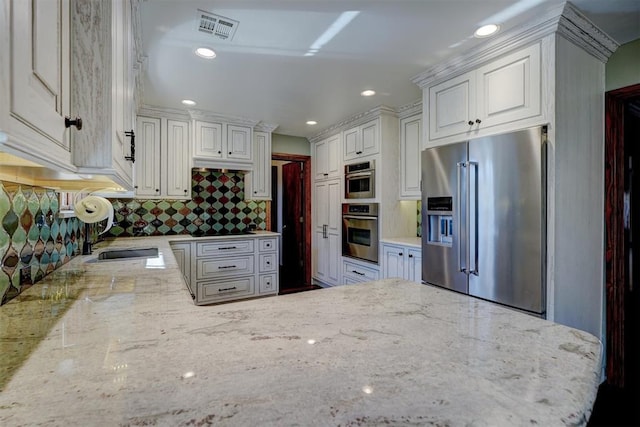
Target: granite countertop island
121 343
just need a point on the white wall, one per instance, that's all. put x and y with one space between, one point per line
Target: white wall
290 144
623 68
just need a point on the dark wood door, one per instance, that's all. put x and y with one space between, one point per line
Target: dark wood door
292 228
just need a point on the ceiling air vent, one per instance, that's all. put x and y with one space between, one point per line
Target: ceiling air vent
216 25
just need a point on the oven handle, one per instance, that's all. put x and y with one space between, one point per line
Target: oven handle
359 217
359 174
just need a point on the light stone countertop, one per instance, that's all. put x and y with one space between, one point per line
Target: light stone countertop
117 344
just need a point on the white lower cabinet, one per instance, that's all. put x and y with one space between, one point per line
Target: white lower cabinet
327 237
354 271
402 261
221 270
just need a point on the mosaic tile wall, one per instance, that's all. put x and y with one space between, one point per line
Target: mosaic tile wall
217 207
33 240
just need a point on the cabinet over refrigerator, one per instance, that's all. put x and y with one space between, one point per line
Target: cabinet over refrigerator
484 218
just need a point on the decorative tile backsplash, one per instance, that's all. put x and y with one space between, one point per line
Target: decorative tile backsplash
217 206
33 240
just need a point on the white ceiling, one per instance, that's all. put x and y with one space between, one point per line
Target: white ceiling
263 73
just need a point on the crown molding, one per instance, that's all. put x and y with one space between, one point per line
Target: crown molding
354 120
583 33
564 19
217 117
162 112
410 109
265 127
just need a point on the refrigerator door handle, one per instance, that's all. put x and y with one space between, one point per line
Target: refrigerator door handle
459 167
472 217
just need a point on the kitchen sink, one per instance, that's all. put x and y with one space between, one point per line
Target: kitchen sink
128 253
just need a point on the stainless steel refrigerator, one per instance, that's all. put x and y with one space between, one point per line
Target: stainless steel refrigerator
483 218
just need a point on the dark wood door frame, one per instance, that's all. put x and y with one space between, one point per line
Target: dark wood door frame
615 280
306 172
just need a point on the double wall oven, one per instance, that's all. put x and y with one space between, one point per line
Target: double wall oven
360 231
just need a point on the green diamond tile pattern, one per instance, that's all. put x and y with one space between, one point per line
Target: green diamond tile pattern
33 240
217 205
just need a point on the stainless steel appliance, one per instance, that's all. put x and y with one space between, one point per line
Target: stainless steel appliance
483 218
360 231
360 180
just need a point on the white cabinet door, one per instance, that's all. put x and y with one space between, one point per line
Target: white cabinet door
410 151
147 176
413 271
258 181
452 106
327 158
176 160
508 88
239 143
122 88
327 243
370 138
352 144
207 140
182 253
35 46
361 141
393 261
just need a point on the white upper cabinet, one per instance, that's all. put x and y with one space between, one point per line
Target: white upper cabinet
175 158
410 151
163 159
35 78
361 141
147 183
499 93
258 181
223 144
102 93
326 158
207 140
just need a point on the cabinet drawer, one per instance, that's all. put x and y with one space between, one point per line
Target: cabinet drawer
268 284
222 290
267 245
268 262
357 271
224 247
209 268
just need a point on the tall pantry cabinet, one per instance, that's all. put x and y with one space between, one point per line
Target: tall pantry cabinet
327 224
549 72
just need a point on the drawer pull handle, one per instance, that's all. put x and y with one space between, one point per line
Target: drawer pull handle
226 289
226 248
226 266
357 272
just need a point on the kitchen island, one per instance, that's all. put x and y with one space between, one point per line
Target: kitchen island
121 343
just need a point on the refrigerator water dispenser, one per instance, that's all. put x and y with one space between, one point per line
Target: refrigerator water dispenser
440 220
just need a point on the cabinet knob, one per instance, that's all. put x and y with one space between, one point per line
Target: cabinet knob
255 192
410 256
219 152
185 191
229 152
358 152
478 121
157 190
400 253
470 122
77 122
136 187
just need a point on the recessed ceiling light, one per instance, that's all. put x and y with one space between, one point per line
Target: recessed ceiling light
205 52
486 30
368 92
312 122
188 102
